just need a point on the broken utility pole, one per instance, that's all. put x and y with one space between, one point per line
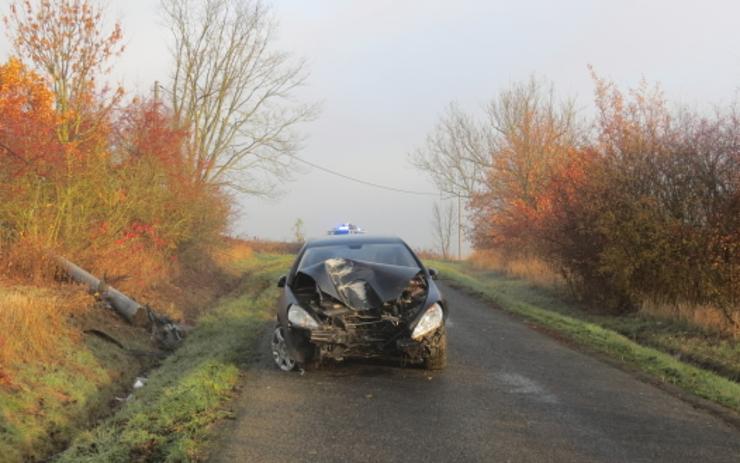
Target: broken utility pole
164 330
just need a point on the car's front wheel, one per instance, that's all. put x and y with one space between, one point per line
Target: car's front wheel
437 346
280 352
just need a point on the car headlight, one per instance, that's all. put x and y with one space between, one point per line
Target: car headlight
430 321
298 316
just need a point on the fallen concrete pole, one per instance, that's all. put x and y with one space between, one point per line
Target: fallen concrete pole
165 331
124 305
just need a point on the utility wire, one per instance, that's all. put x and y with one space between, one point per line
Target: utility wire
364 182
158 86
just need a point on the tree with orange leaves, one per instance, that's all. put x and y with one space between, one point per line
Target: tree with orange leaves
27 123
503 162
148 129
64 41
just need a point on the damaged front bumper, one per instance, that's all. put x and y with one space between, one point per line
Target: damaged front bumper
337 344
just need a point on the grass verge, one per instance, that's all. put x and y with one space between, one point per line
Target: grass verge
55 380
548 311
169 418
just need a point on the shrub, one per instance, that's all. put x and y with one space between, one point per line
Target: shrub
647 210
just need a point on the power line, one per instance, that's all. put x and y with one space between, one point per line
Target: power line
364 182
158 87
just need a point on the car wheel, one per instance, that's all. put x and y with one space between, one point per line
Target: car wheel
437 358
280 352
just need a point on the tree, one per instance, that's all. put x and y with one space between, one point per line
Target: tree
531 133
501 162
443 227
234 91
29 148
456 154
147 128
65 42
27 123
298 235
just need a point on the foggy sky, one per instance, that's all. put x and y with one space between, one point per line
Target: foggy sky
385 70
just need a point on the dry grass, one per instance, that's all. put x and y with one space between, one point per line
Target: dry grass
34 320
54 379
703 316
202 276
129 271
234 251
429 254
541 274
272 247
27 261
532 269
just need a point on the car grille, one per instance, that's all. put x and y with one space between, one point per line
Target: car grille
359 331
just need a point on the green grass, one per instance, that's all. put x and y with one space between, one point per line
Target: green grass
50 401
51 406
693 344
169 418
600 333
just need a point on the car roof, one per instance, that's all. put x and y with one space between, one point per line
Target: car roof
352 239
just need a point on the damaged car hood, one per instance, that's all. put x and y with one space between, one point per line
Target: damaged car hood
358 284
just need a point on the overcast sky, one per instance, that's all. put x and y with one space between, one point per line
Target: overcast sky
385 70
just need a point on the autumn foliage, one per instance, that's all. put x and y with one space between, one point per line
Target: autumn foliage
82 174
27 133
645 207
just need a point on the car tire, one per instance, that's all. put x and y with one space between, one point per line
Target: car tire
437 358
280 354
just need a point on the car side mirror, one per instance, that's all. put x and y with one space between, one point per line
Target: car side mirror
433 273
282 280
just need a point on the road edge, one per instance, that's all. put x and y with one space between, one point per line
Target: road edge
726 414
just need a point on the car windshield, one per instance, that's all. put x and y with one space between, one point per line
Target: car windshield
381 253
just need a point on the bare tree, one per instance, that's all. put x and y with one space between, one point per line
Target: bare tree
443 227
504 157
456 153
523 130
234 92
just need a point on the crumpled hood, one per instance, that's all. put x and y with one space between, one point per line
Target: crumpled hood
358 284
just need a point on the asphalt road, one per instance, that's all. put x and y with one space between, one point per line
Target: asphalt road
508 394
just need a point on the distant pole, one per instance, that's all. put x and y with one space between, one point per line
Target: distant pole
459 227
156 91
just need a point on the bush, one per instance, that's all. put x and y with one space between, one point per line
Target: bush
123 204
648 210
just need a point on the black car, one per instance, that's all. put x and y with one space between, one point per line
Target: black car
359 296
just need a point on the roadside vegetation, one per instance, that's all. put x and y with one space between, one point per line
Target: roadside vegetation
169 418
656 326
699 362
636 209
63 383
135 188
618 231
68 362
